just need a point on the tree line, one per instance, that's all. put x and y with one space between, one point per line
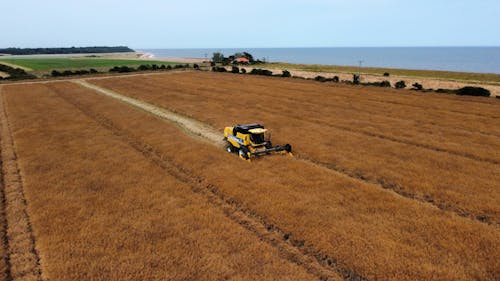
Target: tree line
72 50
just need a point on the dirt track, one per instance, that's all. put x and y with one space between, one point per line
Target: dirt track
191 126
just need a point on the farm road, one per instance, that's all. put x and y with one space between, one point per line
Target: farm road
189 125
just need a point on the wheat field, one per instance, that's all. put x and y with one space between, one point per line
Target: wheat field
384 184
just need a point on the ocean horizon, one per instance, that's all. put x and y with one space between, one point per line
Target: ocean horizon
462 59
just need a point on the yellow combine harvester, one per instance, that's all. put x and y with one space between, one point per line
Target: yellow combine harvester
251 140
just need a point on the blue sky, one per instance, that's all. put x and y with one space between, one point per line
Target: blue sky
257 23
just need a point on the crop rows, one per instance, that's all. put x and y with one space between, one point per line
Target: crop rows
436 158
103 209
353 224
114 192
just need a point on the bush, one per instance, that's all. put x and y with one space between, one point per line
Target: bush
122 69
15 73
55 73
335 79
299 77
154 67
320 78
243 71
219 69
67 73
417 87
286 73
473 91
235 70
355 79
378 84
93 71
400 84
82 72
258 71
196 66
385 83
387 74
163 66
445 91
498 97
169 67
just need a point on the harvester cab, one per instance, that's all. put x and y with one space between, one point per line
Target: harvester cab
251 140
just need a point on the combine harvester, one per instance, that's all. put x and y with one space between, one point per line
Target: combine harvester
252 140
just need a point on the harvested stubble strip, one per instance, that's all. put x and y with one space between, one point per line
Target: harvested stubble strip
102 211
445 179
375 232
342 115
22 257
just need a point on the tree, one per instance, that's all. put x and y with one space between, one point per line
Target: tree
417 86
218 57
473 91
248 56
355 79
400 85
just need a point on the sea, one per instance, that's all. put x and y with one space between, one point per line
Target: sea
463 59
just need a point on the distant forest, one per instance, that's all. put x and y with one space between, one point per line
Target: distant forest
72 50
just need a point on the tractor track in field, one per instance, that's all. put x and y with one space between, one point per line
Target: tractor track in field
304 254
364 132
200 129
22 258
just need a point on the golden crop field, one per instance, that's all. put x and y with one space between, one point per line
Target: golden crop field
384 184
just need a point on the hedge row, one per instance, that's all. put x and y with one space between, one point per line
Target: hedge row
469 91
15 73
147 67
56 73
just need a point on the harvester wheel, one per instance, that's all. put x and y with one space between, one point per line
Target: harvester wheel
243 153
230 148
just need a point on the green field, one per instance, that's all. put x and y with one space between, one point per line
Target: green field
43 64
448 75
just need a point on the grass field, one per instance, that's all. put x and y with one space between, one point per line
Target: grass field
384 184
43 64
435 74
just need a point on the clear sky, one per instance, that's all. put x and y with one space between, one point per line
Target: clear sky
256 23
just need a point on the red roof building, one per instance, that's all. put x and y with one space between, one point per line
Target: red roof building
242 60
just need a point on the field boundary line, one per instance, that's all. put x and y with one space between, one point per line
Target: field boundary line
296 251
108 76
23 257
3 219
214 137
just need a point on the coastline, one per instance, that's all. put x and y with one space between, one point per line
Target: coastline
430 79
